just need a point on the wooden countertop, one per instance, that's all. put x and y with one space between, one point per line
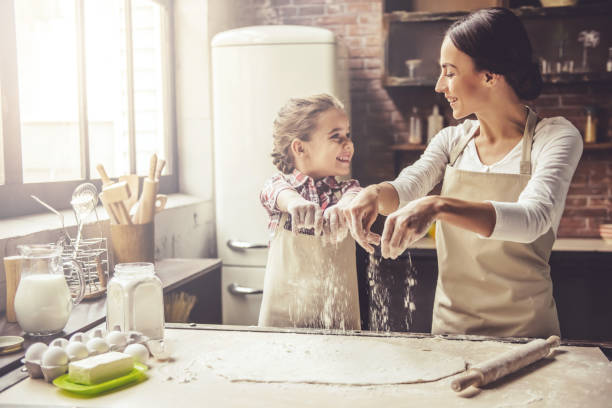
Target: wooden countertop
570 376
172 272
561 244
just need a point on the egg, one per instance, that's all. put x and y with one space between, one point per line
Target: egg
80 337
60 342
99 333
54 356
97 346
139 352
76 351
36 351
116 339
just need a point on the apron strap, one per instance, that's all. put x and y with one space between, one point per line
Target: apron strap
456 151
532 119
525 166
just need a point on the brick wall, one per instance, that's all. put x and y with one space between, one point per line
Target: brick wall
379 114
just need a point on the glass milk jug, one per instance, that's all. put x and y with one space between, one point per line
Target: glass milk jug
135 300
43 301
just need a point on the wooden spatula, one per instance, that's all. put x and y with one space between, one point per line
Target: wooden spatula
116 194
133 183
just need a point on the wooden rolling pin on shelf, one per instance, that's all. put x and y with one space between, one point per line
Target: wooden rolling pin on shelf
507 363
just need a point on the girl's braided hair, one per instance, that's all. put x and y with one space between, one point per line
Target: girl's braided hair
298 119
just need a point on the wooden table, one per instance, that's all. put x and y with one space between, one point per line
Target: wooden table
571 377
174 274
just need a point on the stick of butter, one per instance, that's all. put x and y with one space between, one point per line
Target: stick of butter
100 368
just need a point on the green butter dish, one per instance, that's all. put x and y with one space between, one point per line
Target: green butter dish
137 374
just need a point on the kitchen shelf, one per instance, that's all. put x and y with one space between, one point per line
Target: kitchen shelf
598 146
408 147
565 78
523 12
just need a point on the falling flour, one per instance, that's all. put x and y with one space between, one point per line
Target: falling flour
381 283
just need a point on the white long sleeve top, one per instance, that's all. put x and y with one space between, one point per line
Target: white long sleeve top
556 150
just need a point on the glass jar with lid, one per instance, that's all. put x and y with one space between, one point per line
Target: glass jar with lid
135 300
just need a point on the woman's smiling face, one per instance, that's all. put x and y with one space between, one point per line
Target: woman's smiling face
462 86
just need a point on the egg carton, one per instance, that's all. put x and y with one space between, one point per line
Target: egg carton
49 362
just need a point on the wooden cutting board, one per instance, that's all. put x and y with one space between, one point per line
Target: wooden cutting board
574 376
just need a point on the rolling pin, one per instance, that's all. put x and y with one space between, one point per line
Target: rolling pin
509 362
146 204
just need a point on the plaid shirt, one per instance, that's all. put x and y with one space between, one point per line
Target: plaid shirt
324 192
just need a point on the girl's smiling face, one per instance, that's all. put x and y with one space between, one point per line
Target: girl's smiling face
330 148
462 85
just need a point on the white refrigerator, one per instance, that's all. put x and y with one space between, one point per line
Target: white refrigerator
255 70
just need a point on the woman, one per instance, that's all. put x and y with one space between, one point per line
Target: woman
505 180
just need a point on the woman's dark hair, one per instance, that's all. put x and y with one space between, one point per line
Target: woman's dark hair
497 41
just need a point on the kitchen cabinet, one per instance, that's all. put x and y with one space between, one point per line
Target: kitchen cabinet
549 29
582 287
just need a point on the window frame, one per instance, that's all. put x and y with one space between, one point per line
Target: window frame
14 193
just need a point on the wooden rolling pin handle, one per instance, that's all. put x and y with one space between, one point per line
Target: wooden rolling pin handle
473 377
106 181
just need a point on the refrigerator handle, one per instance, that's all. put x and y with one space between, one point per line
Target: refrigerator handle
241 245
238 290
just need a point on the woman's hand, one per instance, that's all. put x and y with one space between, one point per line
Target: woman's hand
360 214
406 225
305 214
335 227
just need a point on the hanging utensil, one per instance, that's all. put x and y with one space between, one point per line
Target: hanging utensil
64 239
84 201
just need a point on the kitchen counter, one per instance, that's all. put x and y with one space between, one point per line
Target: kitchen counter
570 377
174 274
561 244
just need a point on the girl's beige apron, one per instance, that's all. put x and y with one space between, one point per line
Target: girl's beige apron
310 285
487 286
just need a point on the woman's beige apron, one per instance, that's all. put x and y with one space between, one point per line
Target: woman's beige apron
487 286
308 284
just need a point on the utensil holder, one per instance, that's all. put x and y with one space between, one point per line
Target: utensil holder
92 255
133 243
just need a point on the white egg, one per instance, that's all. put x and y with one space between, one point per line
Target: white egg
139 352
98 333
36 351
97 346
76 351
54 356
60 342
80 337
116 339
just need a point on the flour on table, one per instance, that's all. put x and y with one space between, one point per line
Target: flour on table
334 360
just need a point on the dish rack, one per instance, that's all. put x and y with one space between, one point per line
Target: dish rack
92 256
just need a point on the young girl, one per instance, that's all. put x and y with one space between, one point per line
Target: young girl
311 278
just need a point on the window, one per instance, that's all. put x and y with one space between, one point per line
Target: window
88 82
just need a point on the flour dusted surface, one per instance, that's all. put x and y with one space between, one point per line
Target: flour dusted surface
333 360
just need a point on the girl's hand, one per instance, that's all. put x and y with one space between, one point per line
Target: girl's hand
406 225
305 214
360 214
335 227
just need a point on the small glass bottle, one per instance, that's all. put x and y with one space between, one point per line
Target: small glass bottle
435 123
609 63
590 129
416 132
